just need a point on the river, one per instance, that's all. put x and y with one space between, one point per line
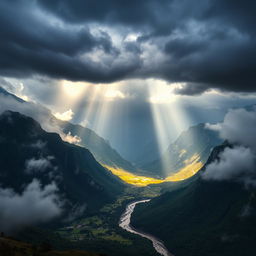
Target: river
125 221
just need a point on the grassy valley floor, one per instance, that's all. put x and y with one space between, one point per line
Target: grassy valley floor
99 232
186 172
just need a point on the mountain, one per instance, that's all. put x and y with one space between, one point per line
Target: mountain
99 147
193 145
5 93
203 218
32 156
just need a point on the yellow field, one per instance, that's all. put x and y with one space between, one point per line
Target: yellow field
192 167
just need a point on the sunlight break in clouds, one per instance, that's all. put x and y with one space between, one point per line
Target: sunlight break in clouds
73 89
113 94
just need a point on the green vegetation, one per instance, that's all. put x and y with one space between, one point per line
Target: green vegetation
99 232
104 225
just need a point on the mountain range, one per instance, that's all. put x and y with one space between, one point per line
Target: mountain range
192 146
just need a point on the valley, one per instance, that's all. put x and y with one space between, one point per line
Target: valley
94 194
83 198
127 128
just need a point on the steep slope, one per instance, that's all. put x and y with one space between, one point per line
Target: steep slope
27 153
5 93
203 218
193 145
99 147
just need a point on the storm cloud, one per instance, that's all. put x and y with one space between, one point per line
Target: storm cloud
210 44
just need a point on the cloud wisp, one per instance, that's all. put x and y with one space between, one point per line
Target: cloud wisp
65 116
37 112
36 204
34 165
239 161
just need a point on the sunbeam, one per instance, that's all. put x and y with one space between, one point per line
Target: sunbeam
168 119
96 106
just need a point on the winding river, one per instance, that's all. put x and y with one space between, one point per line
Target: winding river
125 221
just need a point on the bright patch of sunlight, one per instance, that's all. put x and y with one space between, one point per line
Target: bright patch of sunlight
113 94
71 139
65 116
131 37
192 159
162 93
73 89
133 179
186 172
182 152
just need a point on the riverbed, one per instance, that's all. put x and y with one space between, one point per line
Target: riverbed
125 223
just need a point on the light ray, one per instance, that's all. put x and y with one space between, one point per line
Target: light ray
169 119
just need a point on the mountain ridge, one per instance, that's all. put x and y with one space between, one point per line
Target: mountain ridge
98 146
34 156
196 141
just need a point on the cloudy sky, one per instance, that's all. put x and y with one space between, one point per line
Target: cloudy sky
137 72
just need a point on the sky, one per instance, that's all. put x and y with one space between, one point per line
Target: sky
136 72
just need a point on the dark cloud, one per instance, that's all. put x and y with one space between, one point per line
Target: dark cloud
180 48
233 13
190 89
213 59
26 31
133 13
30 45
132 47
210 44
